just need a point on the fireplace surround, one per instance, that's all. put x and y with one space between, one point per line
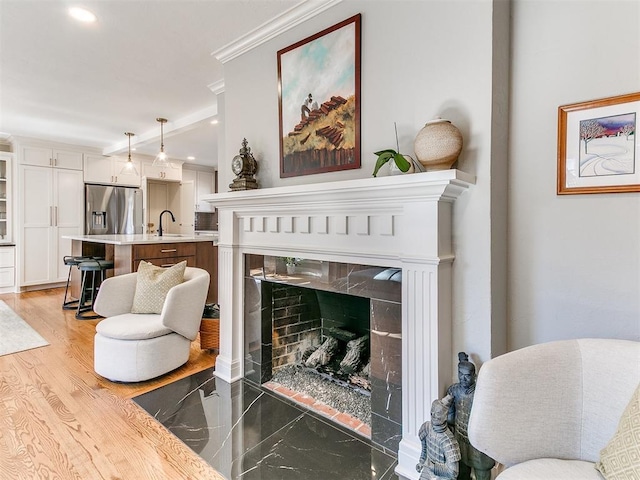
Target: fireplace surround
402 221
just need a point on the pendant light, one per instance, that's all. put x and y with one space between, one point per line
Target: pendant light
129 167
161 159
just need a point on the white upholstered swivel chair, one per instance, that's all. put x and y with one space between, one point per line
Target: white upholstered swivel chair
133 347
546 411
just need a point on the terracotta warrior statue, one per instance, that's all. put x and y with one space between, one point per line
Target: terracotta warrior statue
440 452
459 411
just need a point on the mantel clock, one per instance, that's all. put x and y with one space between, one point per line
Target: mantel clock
245 167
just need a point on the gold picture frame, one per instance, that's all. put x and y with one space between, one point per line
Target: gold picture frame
598 151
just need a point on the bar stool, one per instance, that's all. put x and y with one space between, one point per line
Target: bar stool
71 262
97 269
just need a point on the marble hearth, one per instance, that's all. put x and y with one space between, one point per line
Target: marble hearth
247 433
400 222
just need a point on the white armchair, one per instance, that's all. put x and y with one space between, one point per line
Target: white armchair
546 411
133 347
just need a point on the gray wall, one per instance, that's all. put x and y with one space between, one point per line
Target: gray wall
570 265
574 261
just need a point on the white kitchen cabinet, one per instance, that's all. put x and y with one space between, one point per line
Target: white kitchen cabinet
50 205
107 171
171 173
189 175
7 268
6 197
186 217
204 181
45 156
204 186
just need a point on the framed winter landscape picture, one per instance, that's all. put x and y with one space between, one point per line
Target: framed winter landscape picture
319 101
598 150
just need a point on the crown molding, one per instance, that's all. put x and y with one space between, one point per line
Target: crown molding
217 87
274 27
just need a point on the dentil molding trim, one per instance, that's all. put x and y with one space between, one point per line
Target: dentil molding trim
271 29
386 218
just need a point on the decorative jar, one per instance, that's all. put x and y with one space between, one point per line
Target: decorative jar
438 144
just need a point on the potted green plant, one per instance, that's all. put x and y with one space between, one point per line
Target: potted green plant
403 162
385 155
291 263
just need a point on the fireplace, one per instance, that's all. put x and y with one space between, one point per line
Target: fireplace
312 332
401 222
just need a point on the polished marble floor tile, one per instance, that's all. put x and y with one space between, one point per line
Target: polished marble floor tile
245 432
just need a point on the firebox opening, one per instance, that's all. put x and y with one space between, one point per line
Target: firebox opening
323 331
309 335
321 347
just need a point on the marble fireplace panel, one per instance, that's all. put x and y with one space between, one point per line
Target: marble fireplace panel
367 281
375 282
386 373
257 318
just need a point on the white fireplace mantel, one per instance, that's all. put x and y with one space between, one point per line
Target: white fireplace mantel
402 221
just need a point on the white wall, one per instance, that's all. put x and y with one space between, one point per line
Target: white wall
571 267
574 260
420 59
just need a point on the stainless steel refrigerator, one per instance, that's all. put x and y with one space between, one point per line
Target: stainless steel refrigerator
112 210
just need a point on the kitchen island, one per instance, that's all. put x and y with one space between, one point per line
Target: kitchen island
126 252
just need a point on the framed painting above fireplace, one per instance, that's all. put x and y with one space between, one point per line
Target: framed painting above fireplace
319 101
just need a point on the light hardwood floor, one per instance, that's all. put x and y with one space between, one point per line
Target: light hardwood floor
60 420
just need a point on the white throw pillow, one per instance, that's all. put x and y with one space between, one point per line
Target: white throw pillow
153 284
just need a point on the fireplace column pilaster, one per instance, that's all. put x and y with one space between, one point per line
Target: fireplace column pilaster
426 346
229 363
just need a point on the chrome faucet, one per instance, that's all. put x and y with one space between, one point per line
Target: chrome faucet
173 219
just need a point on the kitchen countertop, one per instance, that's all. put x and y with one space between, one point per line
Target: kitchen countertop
140 239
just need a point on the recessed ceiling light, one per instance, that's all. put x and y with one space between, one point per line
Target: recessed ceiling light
214 121
82 15
191 158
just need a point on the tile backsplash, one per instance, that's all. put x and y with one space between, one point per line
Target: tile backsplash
206 221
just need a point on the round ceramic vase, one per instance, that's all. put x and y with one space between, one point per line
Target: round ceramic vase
438 144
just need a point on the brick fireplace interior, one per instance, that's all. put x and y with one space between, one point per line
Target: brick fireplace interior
289 316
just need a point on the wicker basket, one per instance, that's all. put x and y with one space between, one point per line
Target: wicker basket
210 333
